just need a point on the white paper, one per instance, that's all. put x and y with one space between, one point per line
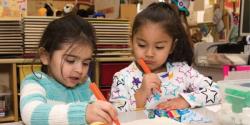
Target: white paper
155 121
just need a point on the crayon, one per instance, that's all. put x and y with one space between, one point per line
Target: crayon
145 68
98 94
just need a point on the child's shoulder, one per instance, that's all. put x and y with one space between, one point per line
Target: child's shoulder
34 78
179 65
131 68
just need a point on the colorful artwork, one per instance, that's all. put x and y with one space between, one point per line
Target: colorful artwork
232 5
12 8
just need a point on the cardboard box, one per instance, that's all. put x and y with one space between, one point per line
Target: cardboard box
109 7
128 11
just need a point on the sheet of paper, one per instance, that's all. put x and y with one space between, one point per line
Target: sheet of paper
214 108
155 121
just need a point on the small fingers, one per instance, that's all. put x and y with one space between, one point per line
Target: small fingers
110 110
104 117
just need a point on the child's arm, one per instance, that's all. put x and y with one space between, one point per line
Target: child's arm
36 110
119 95
201 90
175 103
150 85
124 88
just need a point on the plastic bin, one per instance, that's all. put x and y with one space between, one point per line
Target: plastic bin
235 108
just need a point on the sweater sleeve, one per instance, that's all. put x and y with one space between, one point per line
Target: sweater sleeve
121 97
201 90
37 110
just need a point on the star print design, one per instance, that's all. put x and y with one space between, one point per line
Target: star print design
136 81
164 75
209 98
180 80
134 88
185 80
156 96
119 82
122 105
183 70
209 83
170 76
175 90
131 101
192 74
116 94
192 98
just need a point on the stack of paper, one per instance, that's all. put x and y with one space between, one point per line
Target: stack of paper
11 41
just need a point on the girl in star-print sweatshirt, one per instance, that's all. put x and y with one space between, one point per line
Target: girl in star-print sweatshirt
159 38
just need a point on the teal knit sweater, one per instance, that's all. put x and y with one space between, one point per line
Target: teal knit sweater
44 101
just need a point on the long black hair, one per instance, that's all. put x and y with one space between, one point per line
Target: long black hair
165 15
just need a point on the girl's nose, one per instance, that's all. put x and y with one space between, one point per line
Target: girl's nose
149 52
78 68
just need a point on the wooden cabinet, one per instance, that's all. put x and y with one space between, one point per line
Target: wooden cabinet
9 79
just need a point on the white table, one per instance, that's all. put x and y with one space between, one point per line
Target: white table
137 115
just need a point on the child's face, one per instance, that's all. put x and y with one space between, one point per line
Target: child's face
70 67
152 44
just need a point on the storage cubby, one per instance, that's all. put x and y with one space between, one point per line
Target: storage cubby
8 92
105 68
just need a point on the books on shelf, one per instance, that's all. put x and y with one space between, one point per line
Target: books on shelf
112 34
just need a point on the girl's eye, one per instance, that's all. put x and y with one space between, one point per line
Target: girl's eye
141 45
85 63
159 47
69 60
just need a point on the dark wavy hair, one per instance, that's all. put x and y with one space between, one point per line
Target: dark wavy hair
68 29
165 15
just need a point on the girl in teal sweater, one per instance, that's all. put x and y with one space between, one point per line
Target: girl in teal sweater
59 93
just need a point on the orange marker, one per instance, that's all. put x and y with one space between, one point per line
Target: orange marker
145 67
98 94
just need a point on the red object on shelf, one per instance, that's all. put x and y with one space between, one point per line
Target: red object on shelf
106 92
107 71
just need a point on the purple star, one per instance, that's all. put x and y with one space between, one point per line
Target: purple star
136 81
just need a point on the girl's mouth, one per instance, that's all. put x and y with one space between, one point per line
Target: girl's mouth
149 62
74 79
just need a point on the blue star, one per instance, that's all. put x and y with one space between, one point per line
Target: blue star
157 96
192 98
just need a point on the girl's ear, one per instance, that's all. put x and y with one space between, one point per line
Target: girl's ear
44 56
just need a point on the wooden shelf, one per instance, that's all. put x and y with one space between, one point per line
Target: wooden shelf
210 24
114 59
7 118
16 60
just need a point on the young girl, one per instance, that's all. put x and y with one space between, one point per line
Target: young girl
60 93
159 38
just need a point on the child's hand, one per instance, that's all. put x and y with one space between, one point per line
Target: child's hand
175 103
101 111
150 83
